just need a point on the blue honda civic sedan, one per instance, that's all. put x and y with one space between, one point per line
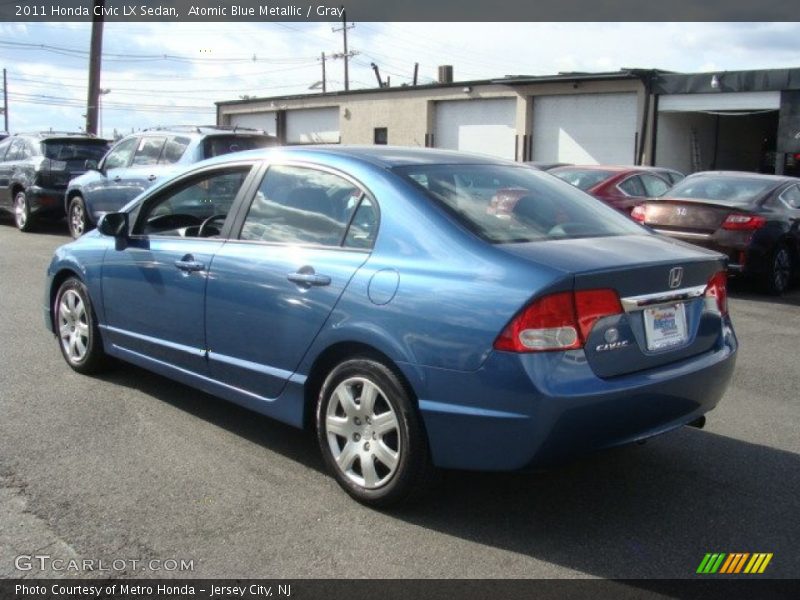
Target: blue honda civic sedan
417 308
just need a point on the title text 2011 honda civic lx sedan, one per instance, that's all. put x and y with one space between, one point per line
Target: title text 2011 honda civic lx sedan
377 295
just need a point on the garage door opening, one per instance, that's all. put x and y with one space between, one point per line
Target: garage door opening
701 132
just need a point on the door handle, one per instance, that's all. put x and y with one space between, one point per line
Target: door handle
189 265
308 279
117 178
152 177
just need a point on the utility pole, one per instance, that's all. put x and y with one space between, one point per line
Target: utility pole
346 55
5 100
324 80
95 61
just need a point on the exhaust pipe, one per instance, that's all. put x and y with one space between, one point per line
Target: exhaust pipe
699 422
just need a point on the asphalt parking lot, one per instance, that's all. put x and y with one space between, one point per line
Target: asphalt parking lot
134 466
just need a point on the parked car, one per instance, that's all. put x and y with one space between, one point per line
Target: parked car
620 187
137 161
754 219
367 292
36 167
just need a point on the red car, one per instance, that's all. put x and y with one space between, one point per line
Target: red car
621 187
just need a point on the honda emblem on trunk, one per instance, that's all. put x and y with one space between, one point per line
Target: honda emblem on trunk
675 277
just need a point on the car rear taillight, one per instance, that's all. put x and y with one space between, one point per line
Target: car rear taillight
717 290
742 222
639 213
560 321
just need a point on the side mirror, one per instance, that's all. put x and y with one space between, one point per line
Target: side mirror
91 165
114 225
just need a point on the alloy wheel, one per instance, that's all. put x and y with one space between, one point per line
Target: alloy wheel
363 433
73 326
781 270
76 218
21 210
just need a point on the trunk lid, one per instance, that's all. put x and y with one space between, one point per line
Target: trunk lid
686 215
660 283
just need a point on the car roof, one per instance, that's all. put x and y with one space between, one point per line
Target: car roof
196 131
381 156
61 135
747 175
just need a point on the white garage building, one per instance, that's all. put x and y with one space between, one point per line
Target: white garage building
632 116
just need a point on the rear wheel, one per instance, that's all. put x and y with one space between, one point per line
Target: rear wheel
779 274
370 434
76 328
76 217
22 212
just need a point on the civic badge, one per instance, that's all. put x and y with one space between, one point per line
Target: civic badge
675 277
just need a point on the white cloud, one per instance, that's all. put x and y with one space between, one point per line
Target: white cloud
220 59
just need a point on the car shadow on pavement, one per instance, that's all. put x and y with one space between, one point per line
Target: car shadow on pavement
296 444
649 511
56 227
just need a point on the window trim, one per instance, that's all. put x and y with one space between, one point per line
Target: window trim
244 209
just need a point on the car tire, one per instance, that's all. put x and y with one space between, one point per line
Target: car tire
778 275
366 416
77 219
22 212
76 328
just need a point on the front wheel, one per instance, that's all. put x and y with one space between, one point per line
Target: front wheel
370 434
779 274
22 212
76 328
77 218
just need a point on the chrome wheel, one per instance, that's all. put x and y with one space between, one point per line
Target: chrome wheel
781 270
77 218
363 433
73 326
21 211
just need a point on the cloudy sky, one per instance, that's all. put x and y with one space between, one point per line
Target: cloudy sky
160 74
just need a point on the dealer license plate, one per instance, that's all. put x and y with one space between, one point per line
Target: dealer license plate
665 326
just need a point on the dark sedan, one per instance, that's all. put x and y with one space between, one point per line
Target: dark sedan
621 187
753 219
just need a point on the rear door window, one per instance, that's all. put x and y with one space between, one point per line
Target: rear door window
4 148
299 205
633 186
174 150
791 197
149 151
653 186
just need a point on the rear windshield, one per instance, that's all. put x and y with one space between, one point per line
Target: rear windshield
731 190
217 145
507 204
582 178
74 149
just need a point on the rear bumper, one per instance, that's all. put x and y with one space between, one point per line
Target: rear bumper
44 200
519 411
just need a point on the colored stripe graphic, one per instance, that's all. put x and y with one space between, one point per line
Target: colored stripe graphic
734 563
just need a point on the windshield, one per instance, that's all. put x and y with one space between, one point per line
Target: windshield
582 178
504 204
74 149
732 190
217 145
